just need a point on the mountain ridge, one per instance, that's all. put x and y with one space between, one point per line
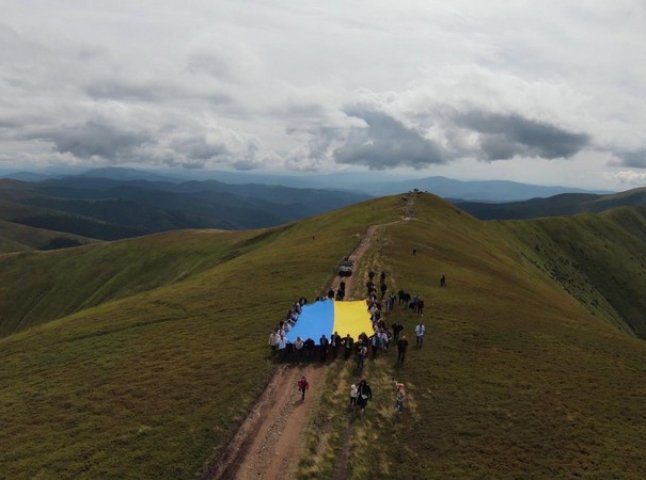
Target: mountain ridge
153 382
558 205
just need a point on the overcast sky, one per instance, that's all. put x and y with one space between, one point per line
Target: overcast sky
550 92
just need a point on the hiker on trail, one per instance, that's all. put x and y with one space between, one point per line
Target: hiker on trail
348 343
402 345
354 393
414 251
302 387
324 343
365 394
443 281
420 306
420 331
383 289
400 396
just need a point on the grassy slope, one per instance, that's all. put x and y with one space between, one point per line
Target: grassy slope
39 286
147 386
48 219
564 204
17 238
517 378
600 259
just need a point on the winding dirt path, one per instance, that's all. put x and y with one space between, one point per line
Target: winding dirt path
269 443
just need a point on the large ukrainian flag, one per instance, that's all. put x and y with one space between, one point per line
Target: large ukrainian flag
327 316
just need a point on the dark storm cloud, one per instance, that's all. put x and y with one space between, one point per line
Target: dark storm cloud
94 138
635 158
386 143
504 136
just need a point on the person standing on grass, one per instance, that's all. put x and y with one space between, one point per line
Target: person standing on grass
365 394
400 396
420 331
273 341
354 393
302 387
402 345
362 352
397 328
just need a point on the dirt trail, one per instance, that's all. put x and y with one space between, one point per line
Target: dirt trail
268 444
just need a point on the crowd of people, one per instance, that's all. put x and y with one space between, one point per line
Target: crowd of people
382 338
278 336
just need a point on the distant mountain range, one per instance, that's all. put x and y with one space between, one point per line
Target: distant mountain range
565 204
109 209
366 183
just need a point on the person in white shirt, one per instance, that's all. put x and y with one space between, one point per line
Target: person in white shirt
354 393
420 331
273 341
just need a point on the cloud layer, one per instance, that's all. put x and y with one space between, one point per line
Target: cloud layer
430 87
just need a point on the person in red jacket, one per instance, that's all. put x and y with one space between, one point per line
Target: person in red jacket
302 387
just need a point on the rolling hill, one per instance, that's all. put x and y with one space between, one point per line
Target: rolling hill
138 358
109 209
16 238
564 204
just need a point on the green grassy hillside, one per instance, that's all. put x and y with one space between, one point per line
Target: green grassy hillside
38 287
563 204
600 259
147 386
50 219
518 379
17 238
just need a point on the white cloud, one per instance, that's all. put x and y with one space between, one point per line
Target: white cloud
630 177
274 84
